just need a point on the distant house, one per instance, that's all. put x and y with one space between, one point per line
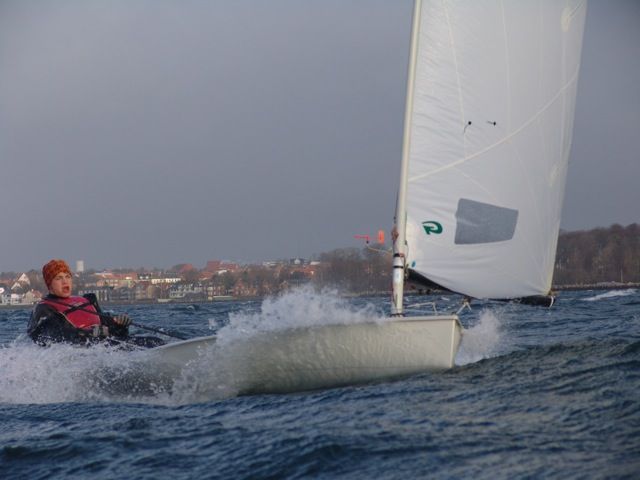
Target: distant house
31 297
5 296
123 294
217 267
145 291
241 289
212 266
22 284
186 267
186 291
165 280
214 291
116 280
103 293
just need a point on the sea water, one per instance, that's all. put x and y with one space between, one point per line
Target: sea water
535 393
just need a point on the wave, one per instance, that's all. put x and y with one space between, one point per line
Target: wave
485 339
59 373
611 294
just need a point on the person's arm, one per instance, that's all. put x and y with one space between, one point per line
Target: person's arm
118 324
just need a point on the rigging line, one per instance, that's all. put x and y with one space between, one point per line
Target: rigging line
417 306
465 304
505 139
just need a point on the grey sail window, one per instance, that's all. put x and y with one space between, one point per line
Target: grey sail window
478 222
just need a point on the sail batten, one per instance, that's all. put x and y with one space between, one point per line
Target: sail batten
490 125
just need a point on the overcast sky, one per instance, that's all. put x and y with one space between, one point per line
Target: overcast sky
151 132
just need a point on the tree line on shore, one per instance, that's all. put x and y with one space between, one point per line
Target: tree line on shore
601 255
598 256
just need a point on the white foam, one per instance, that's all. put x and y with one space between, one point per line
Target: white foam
485 339
65 373
303 307
59 373
611 294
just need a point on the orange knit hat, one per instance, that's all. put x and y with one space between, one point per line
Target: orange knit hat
53 268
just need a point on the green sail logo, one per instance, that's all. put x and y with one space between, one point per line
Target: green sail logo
432 228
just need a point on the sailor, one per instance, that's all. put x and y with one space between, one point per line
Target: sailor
62 317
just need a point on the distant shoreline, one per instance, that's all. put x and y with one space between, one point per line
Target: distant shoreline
556 288
598 286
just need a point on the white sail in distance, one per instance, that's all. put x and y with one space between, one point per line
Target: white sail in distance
490 133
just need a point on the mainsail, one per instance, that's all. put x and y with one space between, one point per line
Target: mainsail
490 120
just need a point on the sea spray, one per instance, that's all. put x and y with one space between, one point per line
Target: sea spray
59 373
303 307
249 346
483 340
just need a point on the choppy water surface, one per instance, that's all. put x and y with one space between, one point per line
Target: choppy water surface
536 393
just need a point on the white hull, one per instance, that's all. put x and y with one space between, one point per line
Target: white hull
318 357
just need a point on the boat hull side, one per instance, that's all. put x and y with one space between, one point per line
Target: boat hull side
324 356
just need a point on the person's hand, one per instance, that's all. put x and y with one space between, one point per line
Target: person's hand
122 319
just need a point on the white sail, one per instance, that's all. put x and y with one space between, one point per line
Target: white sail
491 119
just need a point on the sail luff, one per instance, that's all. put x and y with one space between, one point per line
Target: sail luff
399 232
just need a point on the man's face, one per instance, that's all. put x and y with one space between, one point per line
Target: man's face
61 285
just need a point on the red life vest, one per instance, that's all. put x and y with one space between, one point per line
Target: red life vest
79 318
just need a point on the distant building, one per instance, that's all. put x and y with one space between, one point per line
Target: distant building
116 280
187 267
103 294
21 284
192 291
217 267
79 266
145 291
28 298
31 297
164 280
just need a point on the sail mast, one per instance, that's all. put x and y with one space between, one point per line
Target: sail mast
399 231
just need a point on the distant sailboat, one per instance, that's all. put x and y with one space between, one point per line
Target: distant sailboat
488 125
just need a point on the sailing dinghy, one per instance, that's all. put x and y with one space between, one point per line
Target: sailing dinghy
489 116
